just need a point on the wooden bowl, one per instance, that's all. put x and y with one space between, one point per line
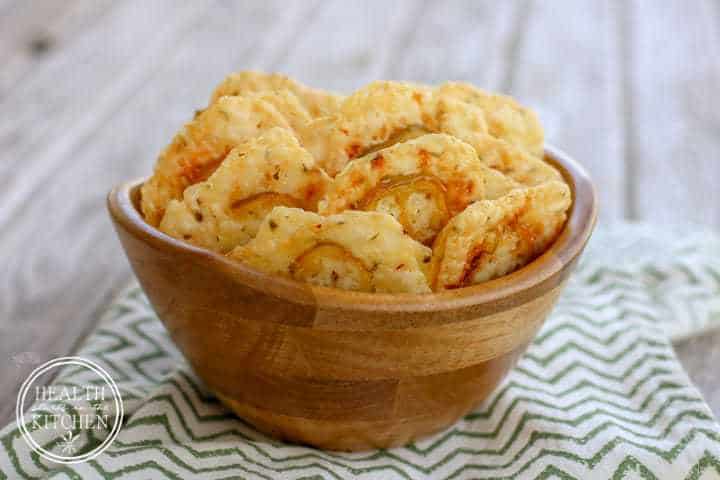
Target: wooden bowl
346 370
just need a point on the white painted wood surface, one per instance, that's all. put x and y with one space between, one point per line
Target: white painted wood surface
90 91
674 100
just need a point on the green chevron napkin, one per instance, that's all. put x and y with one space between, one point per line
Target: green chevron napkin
599 394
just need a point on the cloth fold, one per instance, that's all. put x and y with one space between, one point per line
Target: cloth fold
599 394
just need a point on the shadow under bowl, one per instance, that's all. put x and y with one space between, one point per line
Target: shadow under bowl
344 370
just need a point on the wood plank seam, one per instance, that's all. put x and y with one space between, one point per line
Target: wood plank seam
404 38
624 21
308 20
522 18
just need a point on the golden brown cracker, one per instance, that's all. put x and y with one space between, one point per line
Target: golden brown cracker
200 146
491 238
505 118
317 102
227 209
422 182
364 251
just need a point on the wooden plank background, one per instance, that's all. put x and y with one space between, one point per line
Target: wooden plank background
91 90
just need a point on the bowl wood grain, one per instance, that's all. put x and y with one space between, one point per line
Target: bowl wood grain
346 370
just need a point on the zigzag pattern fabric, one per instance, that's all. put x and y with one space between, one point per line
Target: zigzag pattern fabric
599 394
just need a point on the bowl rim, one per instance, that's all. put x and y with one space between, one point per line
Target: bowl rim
527 282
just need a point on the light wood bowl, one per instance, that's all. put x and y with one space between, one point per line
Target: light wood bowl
344 370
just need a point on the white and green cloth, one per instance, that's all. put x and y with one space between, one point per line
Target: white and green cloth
599 394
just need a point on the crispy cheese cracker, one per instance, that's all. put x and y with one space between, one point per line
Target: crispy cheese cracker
290 107
363 251
513 161
467 121
227 209
504 117
203 143
317 102
459 119
422 183
384 113
491 238
373 116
